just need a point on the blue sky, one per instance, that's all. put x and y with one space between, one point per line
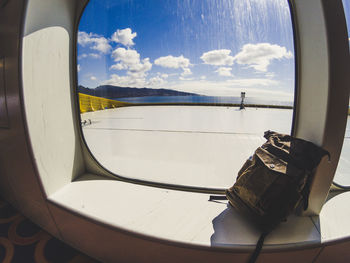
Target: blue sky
217 47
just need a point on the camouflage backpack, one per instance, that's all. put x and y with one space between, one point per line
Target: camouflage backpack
275 181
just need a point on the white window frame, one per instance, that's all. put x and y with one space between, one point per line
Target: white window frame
49 83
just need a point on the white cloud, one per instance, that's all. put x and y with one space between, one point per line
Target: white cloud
141 67
252 82
138 82
164 76
84 38
219 57
270 75
78 67
135 81
82 56
233 87
126 81
124 36
185 79
101 44
94 55
203 77
186 72
156 81
224 71
118 66
130 60
136 68
127 57
259 56
95 42
173 62
91 55
93 78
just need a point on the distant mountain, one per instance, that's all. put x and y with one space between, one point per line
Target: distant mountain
113 92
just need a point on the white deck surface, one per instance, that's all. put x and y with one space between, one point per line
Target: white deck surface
187 145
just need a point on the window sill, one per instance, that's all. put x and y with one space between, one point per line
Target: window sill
190 219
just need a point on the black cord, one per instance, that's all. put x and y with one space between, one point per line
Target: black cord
258 248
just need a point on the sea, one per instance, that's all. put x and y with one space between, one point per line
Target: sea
204 99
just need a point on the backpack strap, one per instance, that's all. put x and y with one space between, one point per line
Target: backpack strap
217 197
258 247
261 240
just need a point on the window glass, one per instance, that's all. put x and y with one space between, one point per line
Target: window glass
342 177
180 92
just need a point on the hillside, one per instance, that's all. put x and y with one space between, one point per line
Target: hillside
113 92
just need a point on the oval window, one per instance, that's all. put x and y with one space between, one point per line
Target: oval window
180 92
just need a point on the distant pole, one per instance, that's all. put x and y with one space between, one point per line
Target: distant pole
242 101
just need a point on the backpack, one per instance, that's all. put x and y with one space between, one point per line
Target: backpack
275 181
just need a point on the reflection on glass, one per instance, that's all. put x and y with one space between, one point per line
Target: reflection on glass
188 57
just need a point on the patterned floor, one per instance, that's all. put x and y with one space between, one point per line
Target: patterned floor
22 241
